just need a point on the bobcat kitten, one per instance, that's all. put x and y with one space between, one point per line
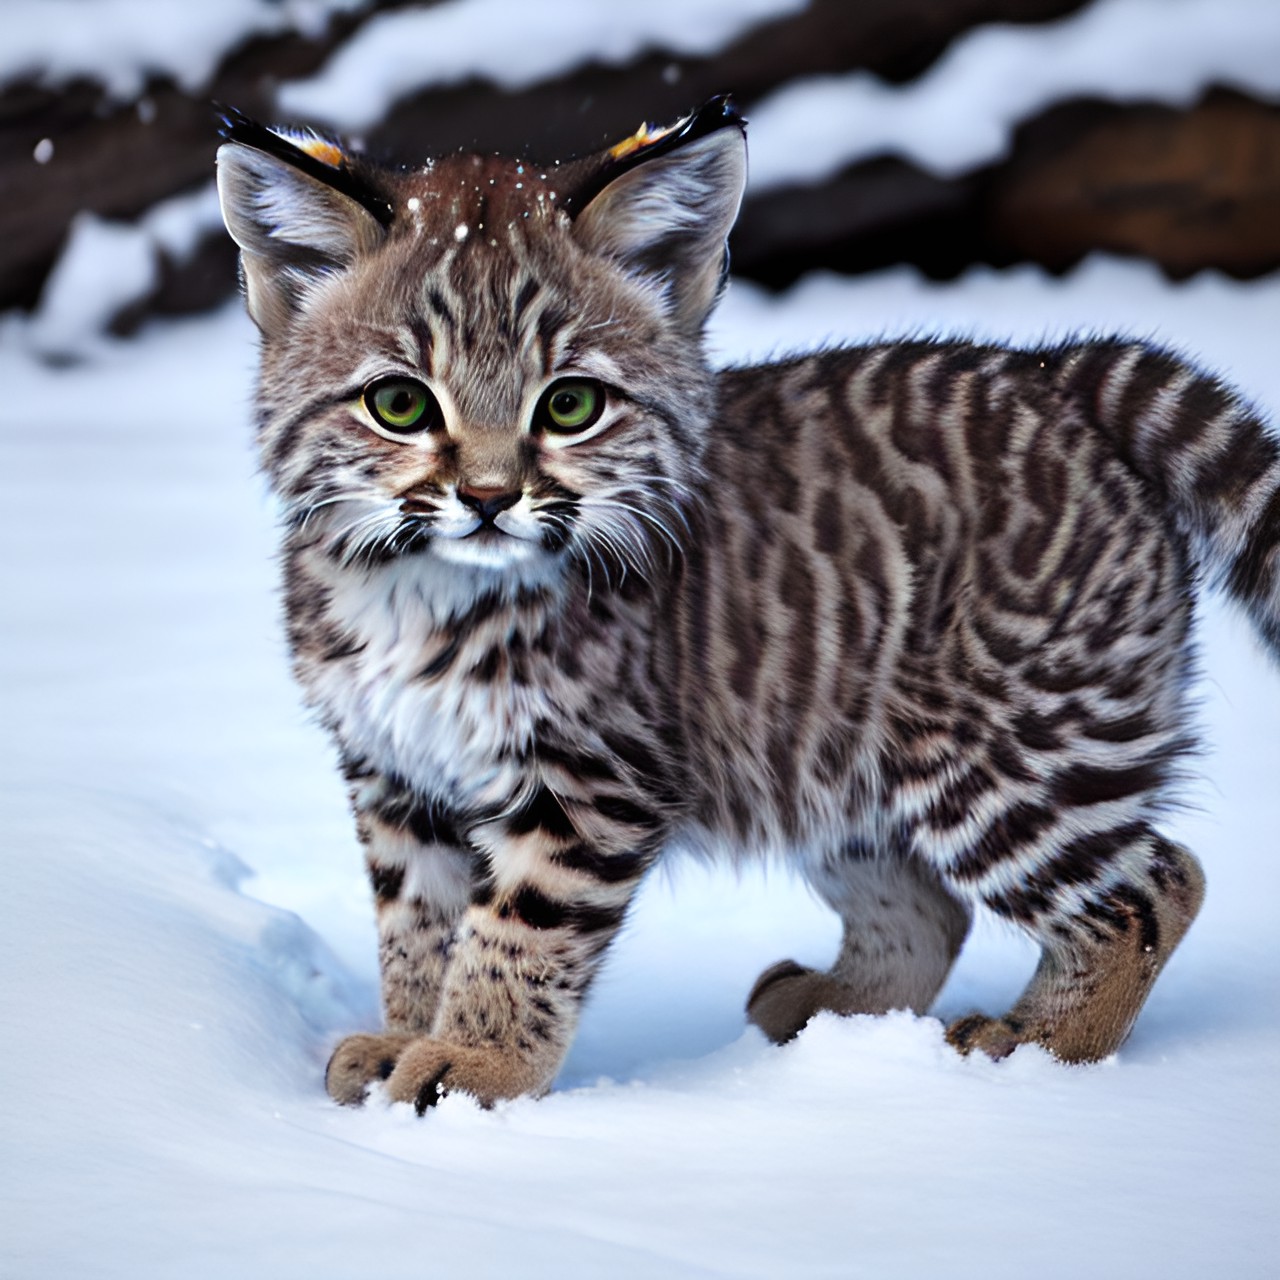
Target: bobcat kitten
915 613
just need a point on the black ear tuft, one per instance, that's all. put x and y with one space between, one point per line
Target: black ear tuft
662 202
325 159
299 210
648 143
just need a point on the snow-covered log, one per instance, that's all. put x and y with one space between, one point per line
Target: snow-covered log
933 132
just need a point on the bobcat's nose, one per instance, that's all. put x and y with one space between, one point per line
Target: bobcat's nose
487 502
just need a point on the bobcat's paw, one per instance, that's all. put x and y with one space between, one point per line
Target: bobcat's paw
996 1037
359 1060
428 1069
786 995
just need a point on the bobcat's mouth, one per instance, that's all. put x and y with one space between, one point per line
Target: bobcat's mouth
488 535
432 523
494 540
487 546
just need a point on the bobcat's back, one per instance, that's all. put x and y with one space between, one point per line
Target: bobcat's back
937 597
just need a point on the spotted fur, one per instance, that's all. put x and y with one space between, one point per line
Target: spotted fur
914 614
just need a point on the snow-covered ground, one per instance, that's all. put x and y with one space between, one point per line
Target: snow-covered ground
185 929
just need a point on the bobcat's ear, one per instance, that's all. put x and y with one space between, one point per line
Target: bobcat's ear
298 211
663 203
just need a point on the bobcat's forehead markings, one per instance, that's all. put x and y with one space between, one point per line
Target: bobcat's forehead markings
915 614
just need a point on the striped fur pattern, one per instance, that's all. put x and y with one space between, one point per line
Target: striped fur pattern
914 615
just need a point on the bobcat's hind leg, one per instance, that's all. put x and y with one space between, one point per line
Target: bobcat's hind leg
902 932
1097 968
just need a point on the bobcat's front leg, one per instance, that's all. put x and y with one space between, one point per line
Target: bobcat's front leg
561 877
422 878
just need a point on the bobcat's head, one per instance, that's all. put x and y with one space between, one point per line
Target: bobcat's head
486 361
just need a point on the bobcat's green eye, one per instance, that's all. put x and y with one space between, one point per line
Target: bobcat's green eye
402 405
571 405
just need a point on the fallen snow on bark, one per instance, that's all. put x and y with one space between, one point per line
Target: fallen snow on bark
962 112
120 43
399 52
107 265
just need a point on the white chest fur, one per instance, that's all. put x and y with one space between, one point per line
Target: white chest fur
448 734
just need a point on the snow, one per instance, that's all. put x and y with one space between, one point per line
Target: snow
120 43
185 930
961 113
104 265
108 264
958 115
402 51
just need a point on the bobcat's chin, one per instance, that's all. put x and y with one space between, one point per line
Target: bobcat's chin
492 549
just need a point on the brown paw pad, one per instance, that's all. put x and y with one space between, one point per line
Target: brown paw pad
782 1000
432 1069
996 1037
357 1062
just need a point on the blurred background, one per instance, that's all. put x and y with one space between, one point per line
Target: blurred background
937 133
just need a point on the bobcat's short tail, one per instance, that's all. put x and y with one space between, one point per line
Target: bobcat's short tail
1211 456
